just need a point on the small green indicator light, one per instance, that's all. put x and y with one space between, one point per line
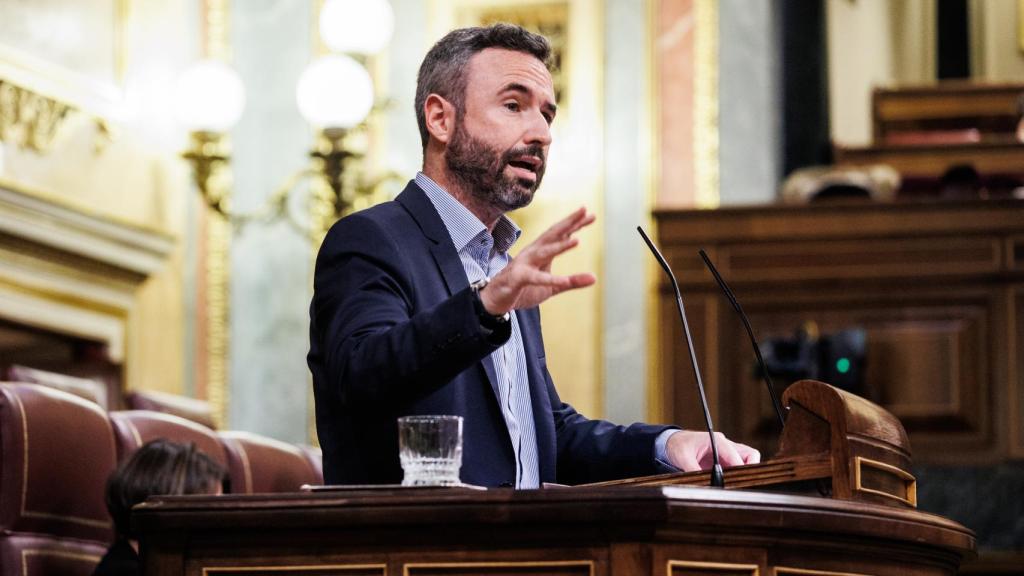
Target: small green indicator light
843 365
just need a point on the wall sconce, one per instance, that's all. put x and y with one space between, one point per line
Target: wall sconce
210 99
334 94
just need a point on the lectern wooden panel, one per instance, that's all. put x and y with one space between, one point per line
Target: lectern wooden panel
611 531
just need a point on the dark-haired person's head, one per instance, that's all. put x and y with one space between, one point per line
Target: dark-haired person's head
485 102
445 69
961 181
160 467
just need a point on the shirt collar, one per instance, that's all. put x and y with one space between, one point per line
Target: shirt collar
462 225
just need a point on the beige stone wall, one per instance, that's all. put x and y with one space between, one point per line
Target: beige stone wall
874 43
130 175
860 57
997 40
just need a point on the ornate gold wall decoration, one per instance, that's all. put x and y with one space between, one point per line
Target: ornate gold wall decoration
99 163
218 282
43 83
217 17
550 19
29 119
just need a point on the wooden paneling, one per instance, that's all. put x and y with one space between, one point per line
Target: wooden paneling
923 131
938 288
927 362
1005 157
1015 374
991 108
536 568
1015 253
737 561
783 571
299 570
702 314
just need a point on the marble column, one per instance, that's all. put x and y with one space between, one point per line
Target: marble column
270 264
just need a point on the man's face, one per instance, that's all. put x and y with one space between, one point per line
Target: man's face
498 150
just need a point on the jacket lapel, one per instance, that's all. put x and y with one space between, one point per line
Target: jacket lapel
418 205
422 210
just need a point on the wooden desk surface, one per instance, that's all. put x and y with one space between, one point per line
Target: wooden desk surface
596 531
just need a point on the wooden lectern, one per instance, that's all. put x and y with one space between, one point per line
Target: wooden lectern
834 444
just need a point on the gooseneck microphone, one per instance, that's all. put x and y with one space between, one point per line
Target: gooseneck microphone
717 476
753 341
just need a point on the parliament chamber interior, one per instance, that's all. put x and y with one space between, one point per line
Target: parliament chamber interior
854 170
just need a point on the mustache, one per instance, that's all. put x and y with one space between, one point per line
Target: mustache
535 150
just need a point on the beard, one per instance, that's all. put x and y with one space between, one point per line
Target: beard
479 171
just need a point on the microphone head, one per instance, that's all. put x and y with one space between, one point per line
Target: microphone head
657 255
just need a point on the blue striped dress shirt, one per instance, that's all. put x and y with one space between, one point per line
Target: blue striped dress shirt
483 255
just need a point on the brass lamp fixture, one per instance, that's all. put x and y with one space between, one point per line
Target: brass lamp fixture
210 99
334 94
208 157
332 165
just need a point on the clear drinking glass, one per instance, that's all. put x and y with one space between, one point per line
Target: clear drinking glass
430 448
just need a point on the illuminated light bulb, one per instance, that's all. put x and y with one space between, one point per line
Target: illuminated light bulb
209 97
334 92
357 26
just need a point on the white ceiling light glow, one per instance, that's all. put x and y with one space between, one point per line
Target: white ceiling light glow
335 92
210 97
357 26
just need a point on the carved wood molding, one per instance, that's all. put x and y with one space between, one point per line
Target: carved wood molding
70 271
53 225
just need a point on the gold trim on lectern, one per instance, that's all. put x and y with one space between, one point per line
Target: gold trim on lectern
910 483
304 568
25 554
782 571
588 564
753 569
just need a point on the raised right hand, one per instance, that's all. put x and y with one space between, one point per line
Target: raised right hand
527 280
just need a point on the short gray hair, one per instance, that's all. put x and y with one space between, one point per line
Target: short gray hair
443 71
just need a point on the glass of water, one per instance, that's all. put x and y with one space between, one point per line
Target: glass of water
430 448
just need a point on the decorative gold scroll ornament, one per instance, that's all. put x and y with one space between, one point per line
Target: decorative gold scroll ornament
28 119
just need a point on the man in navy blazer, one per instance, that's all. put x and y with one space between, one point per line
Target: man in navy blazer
419 309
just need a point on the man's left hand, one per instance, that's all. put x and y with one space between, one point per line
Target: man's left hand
690 450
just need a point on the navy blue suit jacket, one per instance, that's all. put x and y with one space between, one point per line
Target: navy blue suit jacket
394 331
